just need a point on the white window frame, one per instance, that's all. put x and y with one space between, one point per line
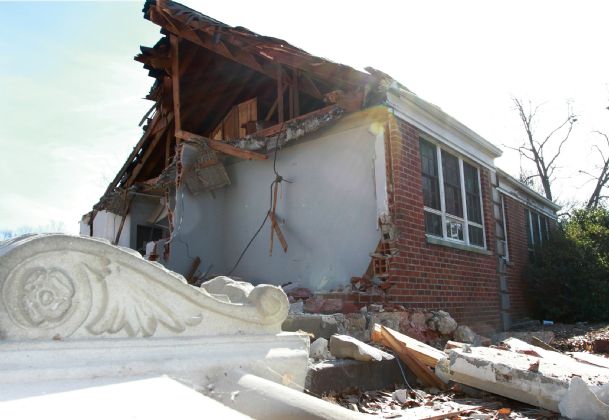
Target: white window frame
445 216
540 239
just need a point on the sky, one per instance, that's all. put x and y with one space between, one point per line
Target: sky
72 95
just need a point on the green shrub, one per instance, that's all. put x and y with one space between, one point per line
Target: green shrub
569 279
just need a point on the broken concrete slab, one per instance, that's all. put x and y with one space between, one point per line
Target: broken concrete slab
344 346
534 380
581 402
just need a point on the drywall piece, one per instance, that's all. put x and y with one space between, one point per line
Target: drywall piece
157 398
537 381
344 346
73 309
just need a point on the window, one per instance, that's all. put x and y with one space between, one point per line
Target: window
451 196
537 230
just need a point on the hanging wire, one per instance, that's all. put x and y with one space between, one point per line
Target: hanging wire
278 179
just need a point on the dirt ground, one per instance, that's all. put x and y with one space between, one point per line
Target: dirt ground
432 404
581 336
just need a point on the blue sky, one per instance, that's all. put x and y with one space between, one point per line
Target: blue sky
72 94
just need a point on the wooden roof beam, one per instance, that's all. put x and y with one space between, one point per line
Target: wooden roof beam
177 28
222 147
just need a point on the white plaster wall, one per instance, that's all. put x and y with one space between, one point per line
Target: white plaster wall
328 213
105 225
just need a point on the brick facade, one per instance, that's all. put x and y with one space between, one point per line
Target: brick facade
518 257
464 283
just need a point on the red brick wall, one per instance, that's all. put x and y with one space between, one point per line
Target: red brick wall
431 276
518 256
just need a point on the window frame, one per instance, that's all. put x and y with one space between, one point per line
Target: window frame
442 212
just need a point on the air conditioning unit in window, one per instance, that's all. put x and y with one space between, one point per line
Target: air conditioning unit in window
455 230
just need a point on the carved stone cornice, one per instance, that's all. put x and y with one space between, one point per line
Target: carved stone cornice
60 286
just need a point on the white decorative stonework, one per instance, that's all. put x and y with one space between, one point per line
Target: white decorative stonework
60 286
78 312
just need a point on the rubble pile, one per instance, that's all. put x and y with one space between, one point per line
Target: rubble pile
431 327
524 377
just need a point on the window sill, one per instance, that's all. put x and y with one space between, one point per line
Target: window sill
443 242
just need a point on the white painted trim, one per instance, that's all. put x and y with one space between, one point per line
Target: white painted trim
505 232
511 194
379 163
442 212
463 202
515 185
446 129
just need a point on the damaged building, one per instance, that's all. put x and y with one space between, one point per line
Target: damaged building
262 162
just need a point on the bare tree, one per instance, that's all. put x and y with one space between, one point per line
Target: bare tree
602 179
542 151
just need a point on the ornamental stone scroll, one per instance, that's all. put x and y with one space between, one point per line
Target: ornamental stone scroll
58 286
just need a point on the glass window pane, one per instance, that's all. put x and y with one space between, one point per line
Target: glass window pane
452 184
429 158
535 219
472 193
433 224
454 229
527 222
429 175
476 236
544 228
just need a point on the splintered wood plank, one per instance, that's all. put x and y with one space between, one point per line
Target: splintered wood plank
422 372
193 269
222 147
422 352
279 94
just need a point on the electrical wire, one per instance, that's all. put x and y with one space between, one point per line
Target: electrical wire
278 179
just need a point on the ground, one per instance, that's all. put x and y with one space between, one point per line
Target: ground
437 405
582 336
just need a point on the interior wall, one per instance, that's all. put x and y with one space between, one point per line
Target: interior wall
327 212
106 225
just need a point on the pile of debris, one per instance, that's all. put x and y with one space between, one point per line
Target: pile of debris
576 384
431 327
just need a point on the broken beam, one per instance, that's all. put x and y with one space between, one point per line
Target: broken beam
221 146
163 18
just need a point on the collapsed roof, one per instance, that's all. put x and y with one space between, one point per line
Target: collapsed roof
235 90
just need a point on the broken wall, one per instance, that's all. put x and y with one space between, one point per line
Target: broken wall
106 225
327 212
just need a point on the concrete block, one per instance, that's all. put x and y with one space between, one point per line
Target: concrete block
319 325
342 374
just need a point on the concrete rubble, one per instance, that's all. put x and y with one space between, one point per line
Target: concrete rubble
319 349
532 375
344 346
